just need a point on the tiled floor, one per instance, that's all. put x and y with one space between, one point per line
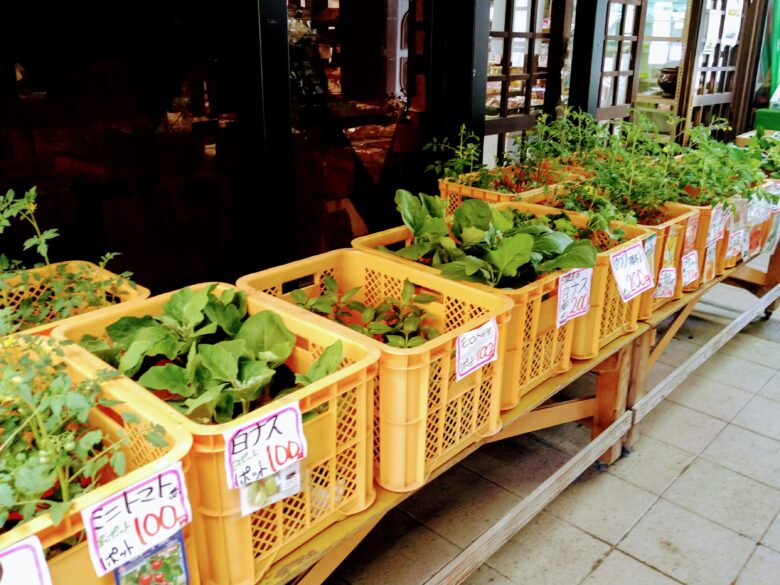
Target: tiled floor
697 502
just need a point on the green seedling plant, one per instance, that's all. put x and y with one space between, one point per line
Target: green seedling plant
65 292
207 357
503 249
397 322
50 454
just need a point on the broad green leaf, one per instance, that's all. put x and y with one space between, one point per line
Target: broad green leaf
511 253
255 372
267 337
579 254
465 270
415 251
33 478
407 291
551 244
502 221
395 341
6 496
123 331
471 213
226 316
411 210
434 205
168 377
90 439
58 510
221 363
299 296
325 365
210 395
119 463
156 437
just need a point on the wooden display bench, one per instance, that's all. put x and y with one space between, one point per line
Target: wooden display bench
613 413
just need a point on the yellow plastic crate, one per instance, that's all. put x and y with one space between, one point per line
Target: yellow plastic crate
536 349
336 474
422 415
74 565
37 285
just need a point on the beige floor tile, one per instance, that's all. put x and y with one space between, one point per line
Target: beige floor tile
682 427
754 349
763 568
710 397
652 464
487 576
736 372
741 504
735 298
772 536
548 551
620 569
697 330
688 547
769 330
400 551
602 505
569 438
460 505
762 416
656 375
747 453
518 465
772 388
677 352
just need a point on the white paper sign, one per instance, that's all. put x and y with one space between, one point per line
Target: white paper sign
649 244
631 271
732 23
667 280
689 267
735 244
573 295
716 228
263 493
745 245
131 522
476 348
24 563
265 446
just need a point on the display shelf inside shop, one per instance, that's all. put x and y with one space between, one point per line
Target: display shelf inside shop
620 401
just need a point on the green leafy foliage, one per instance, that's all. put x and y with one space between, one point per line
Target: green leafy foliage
64 291
396 322
206 356
49 452
504 249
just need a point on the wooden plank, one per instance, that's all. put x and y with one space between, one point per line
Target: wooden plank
669 334
612 382
636 388
662 390
468 561
547 416
751 275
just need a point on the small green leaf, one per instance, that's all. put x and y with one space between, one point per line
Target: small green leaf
325 365
222 365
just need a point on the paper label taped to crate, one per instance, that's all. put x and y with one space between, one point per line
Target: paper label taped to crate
689 267
715 231
631 271
667 279
263 447
476 348
573 295
271 489
134 520
649 245
164 563
23 563
735 244
691 229
709 262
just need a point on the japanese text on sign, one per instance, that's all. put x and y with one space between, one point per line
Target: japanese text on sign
691 230
264 446
475 349
573 294
667 279
689 267
716 228
129 523
631 272
735 244
649 244
23 563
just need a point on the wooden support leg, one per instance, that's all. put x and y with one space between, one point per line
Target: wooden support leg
636 385
669 334
612 382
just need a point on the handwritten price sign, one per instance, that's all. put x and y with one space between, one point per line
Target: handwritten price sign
691 230
690 267
631 272
716 229
475 349
667 279
649 244
23 563
573 295
735 244
130 523
265 446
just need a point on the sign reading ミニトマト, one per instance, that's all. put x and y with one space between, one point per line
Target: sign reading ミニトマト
132 521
